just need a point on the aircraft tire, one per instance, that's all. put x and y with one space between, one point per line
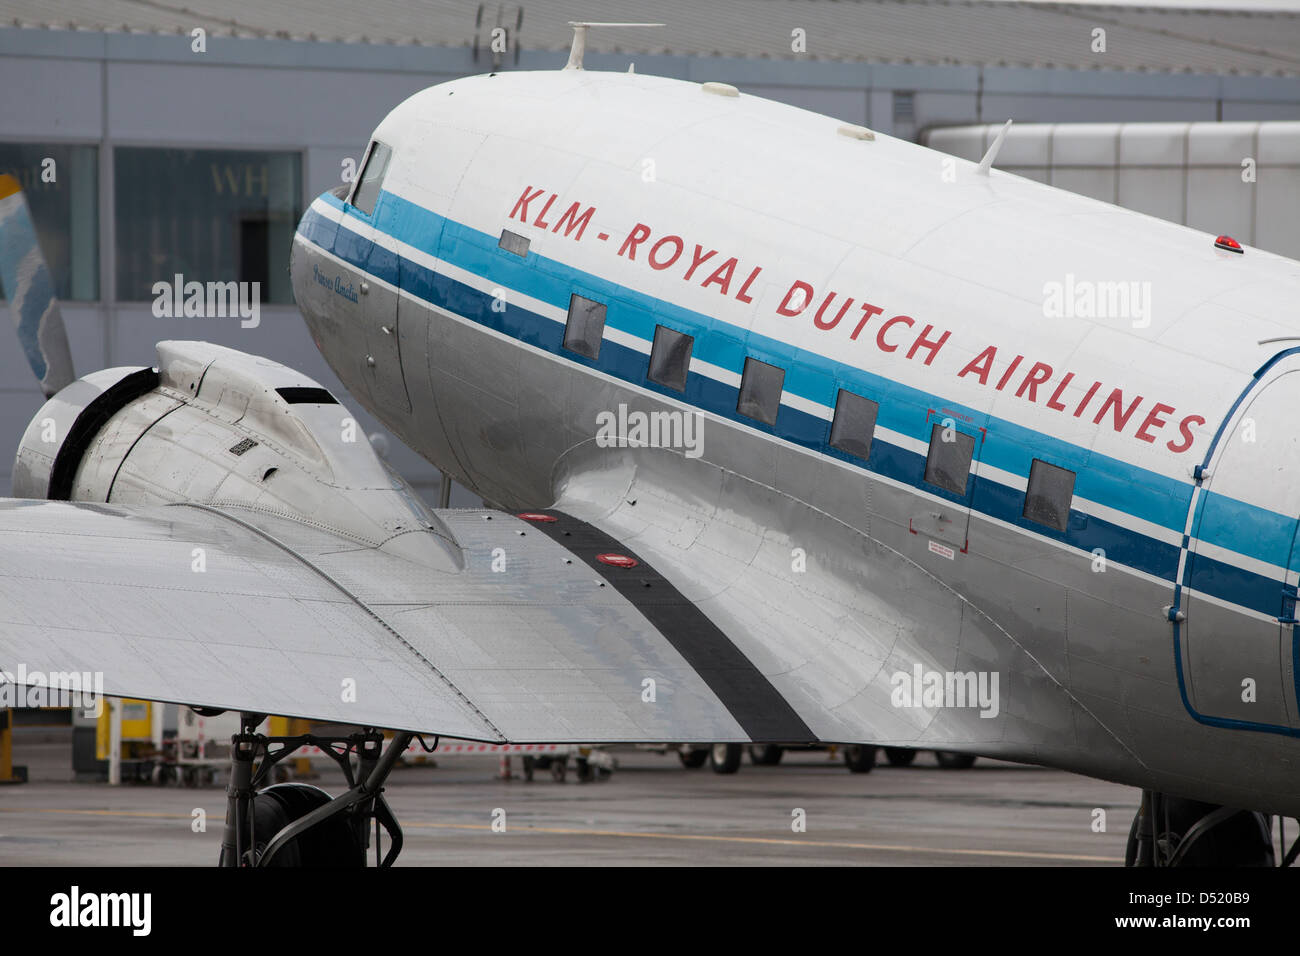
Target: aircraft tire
693 759
724 758
1240 839
954 761
859 758
329 844
766 755
900 756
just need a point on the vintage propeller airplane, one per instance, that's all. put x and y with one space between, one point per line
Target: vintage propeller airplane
805 434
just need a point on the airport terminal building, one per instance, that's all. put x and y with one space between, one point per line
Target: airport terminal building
155 141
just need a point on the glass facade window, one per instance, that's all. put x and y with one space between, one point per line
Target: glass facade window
208 215
61 184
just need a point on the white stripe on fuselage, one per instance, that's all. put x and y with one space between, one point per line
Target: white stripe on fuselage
727 377
856 470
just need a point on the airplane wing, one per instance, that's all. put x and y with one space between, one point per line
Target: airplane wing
253 556
244 611
713 634
660 600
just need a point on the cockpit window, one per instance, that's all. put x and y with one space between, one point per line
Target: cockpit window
371 178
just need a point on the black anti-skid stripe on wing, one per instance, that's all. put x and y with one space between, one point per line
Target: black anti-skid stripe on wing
757 706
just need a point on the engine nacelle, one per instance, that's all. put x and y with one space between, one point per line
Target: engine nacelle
218 427
67 424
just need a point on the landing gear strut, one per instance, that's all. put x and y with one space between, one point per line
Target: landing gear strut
1173 831
296 824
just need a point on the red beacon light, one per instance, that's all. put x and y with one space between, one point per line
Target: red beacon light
1228 244
540 518
617 560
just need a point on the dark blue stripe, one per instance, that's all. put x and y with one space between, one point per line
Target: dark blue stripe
1258 592
1085 532
1011 447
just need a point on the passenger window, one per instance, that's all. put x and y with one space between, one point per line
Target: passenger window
1049 496
760 391
585 327
854 423
948 463
371 178
670 358
513 242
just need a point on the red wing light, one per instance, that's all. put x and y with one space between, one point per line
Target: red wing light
1228 244
617 560
534 516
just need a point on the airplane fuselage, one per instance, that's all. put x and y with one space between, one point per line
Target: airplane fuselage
1005 424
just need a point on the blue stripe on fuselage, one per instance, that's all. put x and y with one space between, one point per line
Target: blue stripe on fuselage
1008 446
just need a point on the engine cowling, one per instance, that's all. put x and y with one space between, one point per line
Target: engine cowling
56 440
218 427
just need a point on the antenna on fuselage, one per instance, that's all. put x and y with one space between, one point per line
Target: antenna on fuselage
580 39
987 162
